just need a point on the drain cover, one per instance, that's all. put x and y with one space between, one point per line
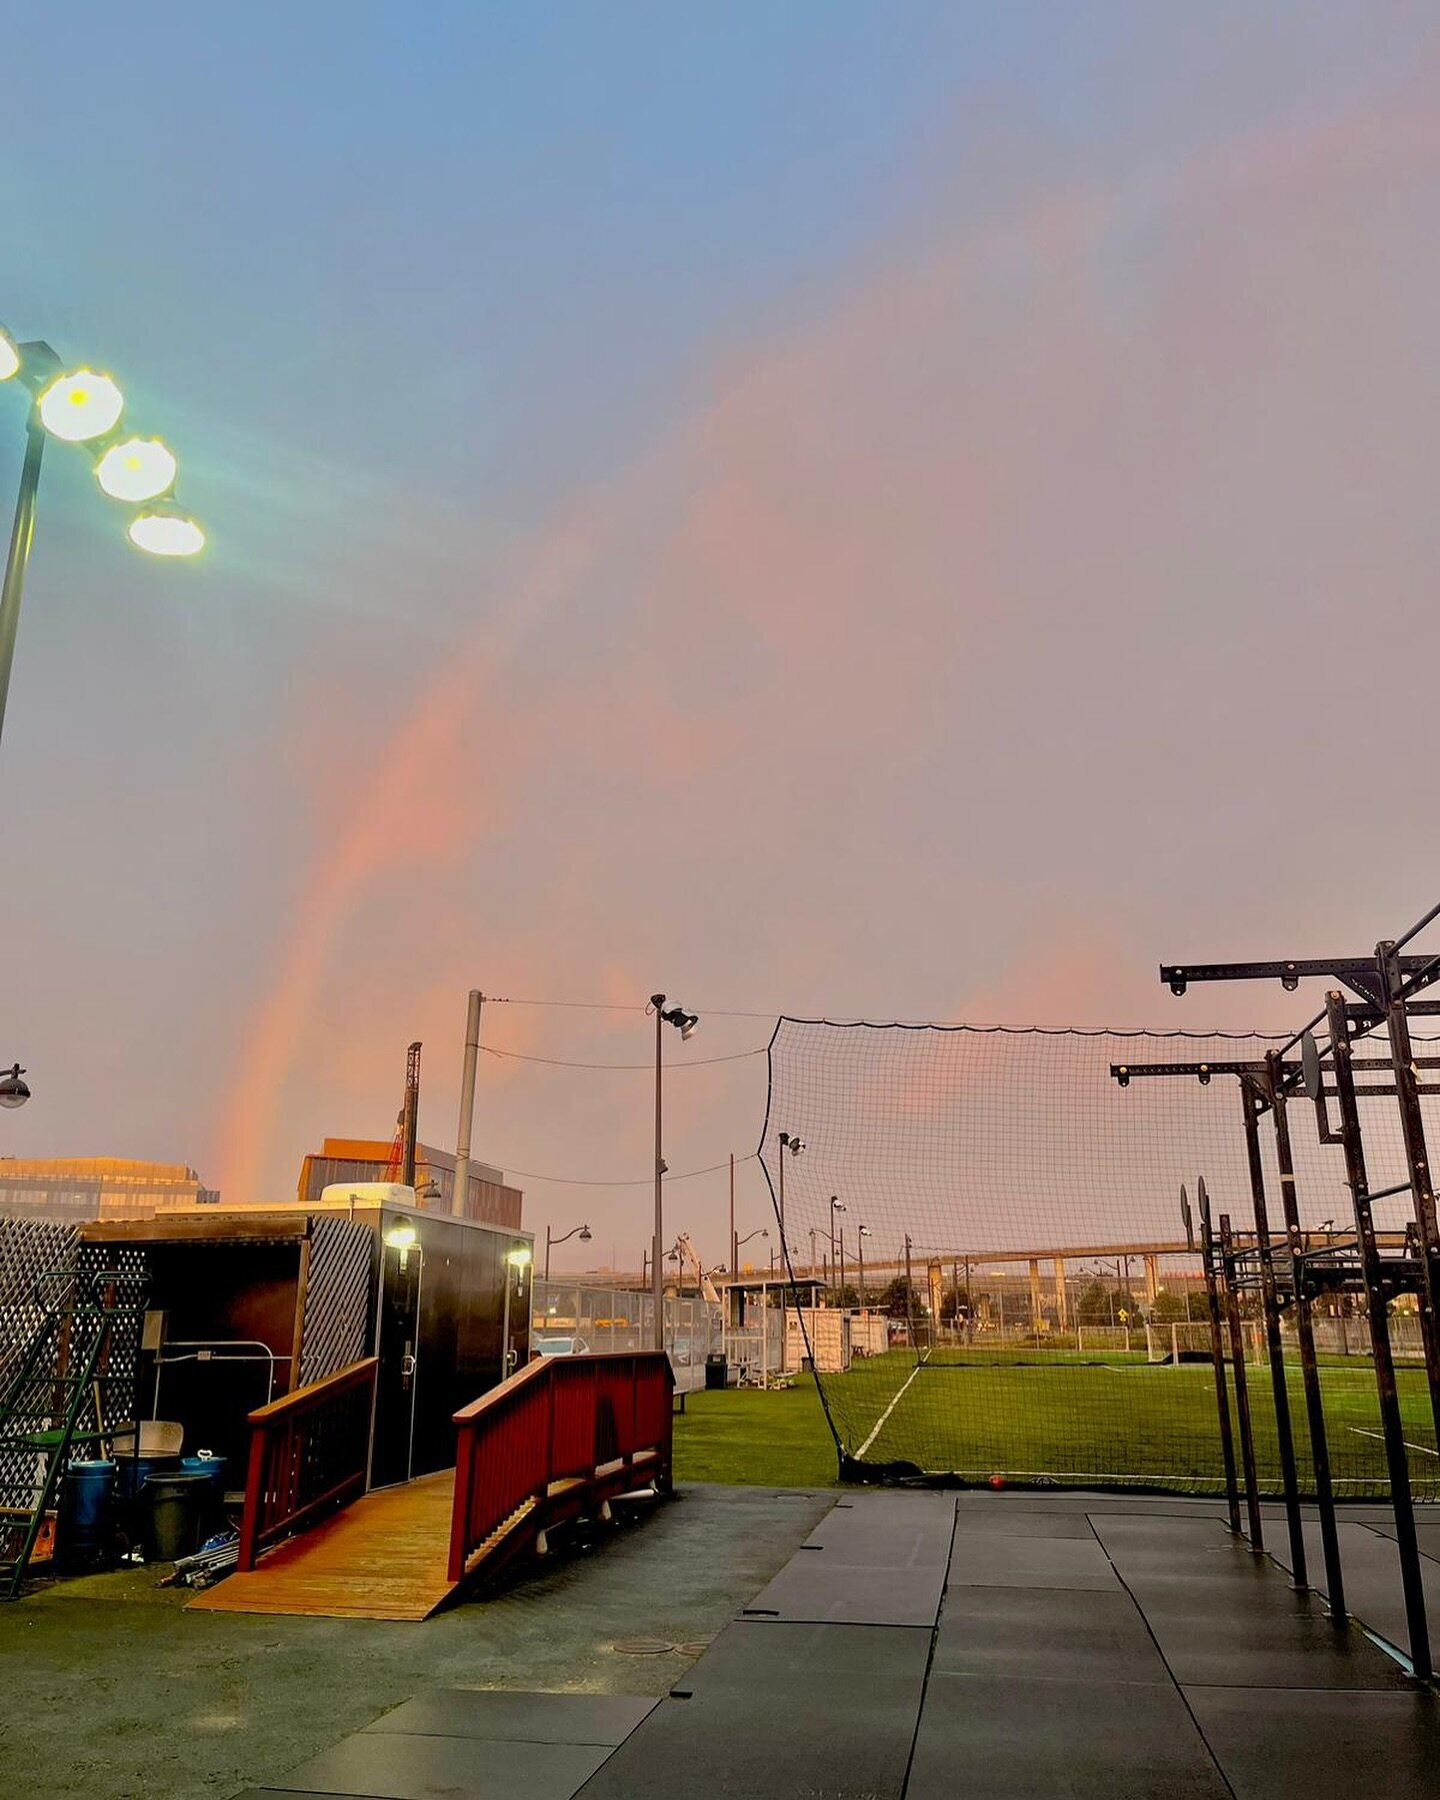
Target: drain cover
642 1646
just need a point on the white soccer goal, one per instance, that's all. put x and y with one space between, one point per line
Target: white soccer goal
1168 1343
1106 1337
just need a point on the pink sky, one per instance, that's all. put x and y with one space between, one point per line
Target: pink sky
962 637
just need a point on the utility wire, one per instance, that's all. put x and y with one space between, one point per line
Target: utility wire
689 1062
645 1181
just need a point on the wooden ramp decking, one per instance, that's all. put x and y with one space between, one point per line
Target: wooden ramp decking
384 1557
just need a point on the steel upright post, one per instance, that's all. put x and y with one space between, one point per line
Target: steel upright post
1412 1127
1242 1388
1391 1424
1284 1435
1305 1333
1217 1361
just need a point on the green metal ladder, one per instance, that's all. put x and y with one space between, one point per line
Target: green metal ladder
56 1402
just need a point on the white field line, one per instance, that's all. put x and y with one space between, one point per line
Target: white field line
887 1412
1423 1449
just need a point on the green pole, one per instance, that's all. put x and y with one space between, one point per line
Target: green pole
22 535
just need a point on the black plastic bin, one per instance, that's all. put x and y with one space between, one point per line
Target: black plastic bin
172 1508
717 1369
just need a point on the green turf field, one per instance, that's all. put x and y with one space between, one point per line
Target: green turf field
1062 1417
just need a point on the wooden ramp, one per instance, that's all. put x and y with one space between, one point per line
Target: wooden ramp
384 1557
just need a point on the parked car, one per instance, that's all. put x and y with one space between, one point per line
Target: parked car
560 1346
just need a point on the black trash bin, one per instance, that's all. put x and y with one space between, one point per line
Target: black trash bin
172 1508
717 1369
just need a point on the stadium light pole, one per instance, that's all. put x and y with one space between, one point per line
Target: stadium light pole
81 406
583 1232
686 1024
837 1205
861 1233
795 1147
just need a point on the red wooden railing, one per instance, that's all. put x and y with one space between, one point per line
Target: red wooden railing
309 1451
564 1430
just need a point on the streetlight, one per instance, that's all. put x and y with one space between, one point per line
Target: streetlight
795 1146
740 1243
583 1232
860 1236
686 1023
83 406
519 1259
837 1205
13 1091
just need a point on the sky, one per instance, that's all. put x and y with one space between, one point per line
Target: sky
907 511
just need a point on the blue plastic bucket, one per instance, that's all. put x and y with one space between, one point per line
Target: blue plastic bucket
85 1525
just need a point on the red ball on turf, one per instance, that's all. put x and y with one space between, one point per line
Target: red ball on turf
997 1481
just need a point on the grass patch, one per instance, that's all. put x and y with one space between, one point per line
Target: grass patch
749 1437
1088 1423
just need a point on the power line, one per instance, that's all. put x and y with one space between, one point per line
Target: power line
689 1062
645 1181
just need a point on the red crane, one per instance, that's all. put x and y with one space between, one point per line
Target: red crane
401 1166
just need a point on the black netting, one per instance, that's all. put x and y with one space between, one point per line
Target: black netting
1030 1308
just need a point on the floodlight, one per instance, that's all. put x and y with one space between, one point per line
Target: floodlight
137 469
80 406
9 356
163 530
13 1091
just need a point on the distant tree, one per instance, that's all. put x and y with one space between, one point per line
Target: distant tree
894 1298
847 1296
1095 1305
1167 1308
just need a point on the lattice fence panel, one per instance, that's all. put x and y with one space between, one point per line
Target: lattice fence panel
337 1298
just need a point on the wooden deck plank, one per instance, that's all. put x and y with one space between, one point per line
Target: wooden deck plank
384 1557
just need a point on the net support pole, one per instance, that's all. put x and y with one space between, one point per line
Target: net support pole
1412 1128
910 1301
1217 1362
1269 1299
1242 1388
1391 1424
1305 1333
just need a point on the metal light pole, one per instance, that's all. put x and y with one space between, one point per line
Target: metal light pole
795 1146
836 1206
740 1244
82 407
734 1244
860 1236
685 1023
583 1232
22 535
